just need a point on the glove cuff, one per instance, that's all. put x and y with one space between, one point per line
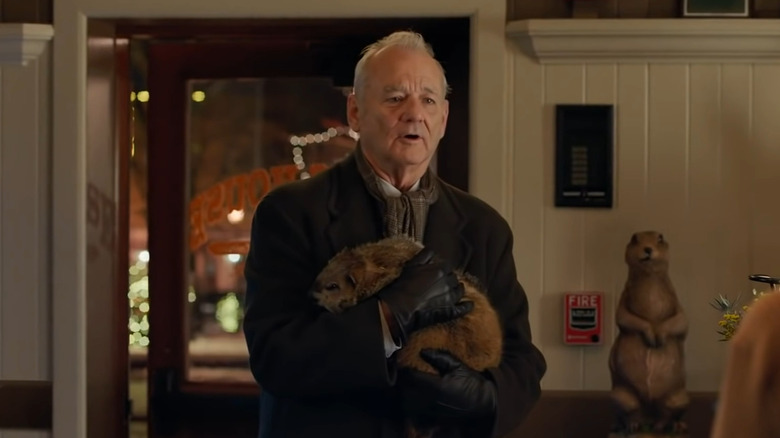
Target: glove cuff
392 323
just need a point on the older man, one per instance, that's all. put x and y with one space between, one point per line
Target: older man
332 375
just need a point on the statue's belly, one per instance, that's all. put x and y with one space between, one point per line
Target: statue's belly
653 372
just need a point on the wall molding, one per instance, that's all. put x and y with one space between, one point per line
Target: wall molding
23 42
25 404
622 40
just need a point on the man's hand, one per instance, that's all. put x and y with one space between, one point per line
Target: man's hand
458 393
427 292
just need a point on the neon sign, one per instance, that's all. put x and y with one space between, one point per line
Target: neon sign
236 193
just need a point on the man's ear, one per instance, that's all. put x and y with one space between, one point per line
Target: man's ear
353 116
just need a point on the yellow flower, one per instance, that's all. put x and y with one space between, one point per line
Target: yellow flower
731 315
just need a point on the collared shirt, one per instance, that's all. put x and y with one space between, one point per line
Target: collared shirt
391 190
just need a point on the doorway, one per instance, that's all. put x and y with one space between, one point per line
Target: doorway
219 112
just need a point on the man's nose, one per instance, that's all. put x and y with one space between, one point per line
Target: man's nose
413 111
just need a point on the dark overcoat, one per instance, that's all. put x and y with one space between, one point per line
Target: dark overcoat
326 375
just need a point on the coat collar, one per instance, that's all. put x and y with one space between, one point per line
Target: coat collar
355 217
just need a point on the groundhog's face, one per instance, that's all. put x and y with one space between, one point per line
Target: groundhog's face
647 249
335 288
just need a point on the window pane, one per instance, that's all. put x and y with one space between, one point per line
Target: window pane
245 136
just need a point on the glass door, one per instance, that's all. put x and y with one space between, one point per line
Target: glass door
244 137
225 126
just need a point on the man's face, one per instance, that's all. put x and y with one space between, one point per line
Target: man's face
402 111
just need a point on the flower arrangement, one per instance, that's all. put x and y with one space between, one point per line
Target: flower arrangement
732 313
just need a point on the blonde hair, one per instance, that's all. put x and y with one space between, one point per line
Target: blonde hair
404 39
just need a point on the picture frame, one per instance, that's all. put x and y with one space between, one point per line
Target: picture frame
716 8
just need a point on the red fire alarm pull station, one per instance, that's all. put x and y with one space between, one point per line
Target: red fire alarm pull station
583 318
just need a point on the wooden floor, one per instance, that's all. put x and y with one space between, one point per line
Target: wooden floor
584 414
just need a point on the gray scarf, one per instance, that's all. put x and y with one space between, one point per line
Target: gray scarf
405 214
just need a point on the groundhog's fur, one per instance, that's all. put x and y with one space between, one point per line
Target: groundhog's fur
647 358
358 273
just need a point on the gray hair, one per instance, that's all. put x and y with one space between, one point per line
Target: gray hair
404 39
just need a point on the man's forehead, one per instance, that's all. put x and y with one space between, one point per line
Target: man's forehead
427 88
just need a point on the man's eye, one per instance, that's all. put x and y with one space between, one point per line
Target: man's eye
394 99
429 100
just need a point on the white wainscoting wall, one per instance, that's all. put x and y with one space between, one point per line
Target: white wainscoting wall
25 231
697 157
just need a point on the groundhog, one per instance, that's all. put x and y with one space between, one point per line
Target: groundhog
355 274
647 358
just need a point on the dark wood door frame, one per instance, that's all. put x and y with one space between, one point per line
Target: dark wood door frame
107 200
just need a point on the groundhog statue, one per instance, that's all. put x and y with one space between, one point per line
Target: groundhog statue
355 274
647 358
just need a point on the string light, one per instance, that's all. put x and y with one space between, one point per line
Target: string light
300 141
229 313
138 297
235 216
322 137
234 258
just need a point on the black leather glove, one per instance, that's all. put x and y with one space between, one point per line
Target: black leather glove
426 293
458 393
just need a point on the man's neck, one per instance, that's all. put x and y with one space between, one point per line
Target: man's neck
403 179
392 191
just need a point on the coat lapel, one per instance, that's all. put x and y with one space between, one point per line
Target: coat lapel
444 229
353 212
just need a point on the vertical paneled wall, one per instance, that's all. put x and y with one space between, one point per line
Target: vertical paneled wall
697 153
25 314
